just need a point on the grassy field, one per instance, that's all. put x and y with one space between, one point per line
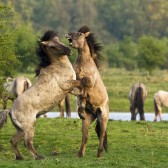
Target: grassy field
131 145
119 82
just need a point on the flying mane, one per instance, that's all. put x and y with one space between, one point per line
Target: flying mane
43 58
95 48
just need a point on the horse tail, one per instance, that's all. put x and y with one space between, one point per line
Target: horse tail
3 117
98 131
68 106
140 102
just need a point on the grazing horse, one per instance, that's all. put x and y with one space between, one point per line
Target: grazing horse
137 96
93 102
57 78
13 88
160 99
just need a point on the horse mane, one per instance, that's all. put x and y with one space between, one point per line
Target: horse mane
95 48
44 60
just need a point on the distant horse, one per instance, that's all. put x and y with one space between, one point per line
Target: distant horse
56 79
93 103
137 96
13 87
160 99
64 105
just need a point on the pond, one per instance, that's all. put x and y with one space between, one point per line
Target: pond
123 116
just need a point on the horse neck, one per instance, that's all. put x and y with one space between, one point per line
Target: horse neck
60 61
84 54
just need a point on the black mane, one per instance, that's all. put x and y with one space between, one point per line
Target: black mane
95 48
43 58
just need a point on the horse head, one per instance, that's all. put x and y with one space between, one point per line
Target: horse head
54 46
77 39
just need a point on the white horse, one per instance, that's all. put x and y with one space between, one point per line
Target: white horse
56 79
160 99
13 88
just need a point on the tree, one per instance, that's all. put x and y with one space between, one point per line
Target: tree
8 60
151 53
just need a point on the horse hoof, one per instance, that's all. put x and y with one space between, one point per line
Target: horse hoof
99 155
79 155
39 157
19 158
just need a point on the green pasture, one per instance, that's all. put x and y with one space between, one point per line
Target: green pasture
119 82
131 145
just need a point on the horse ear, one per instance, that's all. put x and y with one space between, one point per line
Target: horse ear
44 43
87 34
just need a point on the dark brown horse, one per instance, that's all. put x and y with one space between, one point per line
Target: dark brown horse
55 81
93 102
137 96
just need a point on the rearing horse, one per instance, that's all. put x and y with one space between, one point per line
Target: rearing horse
93 103
56 79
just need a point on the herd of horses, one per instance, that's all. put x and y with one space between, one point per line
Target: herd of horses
137 96
56 79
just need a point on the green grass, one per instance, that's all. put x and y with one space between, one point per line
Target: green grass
131 145
118 83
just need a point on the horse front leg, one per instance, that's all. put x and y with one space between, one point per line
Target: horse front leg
61 107
89 118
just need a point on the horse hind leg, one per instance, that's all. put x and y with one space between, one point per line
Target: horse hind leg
102 121
133 113
28 139
14 142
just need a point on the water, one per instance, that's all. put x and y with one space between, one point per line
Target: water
123 116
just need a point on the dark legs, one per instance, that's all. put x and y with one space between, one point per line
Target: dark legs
101 126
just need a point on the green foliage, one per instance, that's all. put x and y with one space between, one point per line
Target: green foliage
8 61
151 53
25 48
122 54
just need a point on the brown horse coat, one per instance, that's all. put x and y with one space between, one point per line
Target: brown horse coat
94 100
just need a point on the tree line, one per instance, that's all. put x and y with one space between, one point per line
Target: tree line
133 33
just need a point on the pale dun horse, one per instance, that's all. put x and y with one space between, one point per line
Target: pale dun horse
56 79
93 103
13 87
160 99
137 96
